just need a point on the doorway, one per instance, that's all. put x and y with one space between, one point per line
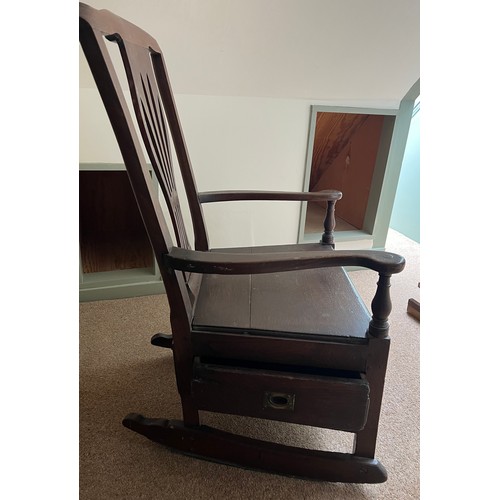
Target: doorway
348 151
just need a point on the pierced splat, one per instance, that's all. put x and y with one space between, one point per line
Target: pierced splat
150 116
155 122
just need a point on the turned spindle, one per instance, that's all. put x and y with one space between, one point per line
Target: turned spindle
381 308
329 224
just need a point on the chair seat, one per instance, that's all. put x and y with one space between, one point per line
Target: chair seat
329 304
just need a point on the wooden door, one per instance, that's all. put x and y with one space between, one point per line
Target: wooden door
344 156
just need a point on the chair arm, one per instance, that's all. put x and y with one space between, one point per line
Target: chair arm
385 263
215 196
331 196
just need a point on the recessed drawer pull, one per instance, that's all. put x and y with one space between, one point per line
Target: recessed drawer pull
279 400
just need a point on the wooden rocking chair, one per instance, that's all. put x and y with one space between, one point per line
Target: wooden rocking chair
273 332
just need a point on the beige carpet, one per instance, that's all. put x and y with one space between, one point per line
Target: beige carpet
121 372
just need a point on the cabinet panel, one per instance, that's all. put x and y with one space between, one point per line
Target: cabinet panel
116 258
112 234
345 153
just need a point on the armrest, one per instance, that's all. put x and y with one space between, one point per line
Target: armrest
386 263
215 196
330 196
233 263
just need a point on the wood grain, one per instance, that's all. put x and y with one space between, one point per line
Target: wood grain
323 401
112 234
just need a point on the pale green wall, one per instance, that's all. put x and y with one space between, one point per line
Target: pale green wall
406 212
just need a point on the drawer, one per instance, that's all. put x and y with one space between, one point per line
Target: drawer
333 400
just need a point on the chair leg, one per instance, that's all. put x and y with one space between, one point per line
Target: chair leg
413 308
231 449
189 412
365 441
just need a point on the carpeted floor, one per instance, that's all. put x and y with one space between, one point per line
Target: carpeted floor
121 372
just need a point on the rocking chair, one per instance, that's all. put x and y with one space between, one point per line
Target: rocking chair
275 332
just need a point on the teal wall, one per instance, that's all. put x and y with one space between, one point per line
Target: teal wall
405 216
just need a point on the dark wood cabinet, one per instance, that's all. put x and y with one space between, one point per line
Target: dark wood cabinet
116 258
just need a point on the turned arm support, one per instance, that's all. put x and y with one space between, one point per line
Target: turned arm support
381 307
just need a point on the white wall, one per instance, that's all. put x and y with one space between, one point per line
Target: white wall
234 143
294 49
406 212
97 141
245 74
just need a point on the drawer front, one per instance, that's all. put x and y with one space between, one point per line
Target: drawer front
322 401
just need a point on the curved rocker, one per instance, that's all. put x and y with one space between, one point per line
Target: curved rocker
218 446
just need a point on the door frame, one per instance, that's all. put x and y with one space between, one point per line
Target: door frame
385 176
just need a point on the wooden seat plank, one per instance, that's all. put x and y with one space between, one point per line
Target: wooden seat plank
311 301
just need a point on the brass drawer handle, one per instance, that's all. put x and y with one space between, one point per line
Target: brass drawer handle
279 401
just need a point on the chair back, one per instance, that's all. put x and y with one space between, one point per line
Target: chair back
158 123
